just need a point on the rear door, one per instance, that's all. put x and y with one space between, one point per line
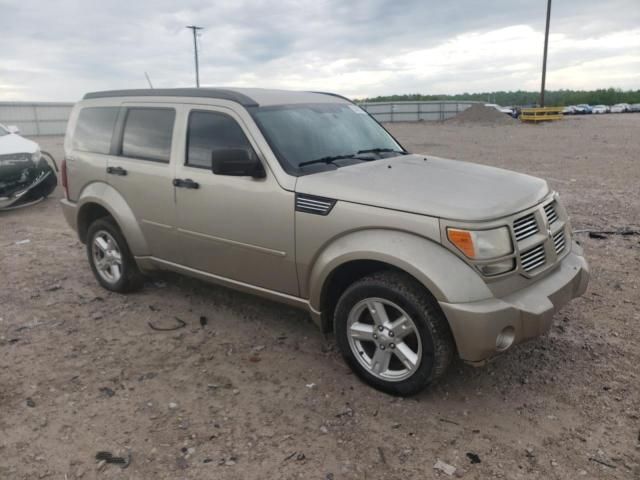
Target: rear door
142 172
240 228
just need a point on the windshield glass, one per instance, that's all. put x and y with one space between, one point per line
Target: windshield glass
302 133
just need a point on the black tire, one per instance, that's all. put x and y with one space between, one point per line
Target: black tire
130 279
404 291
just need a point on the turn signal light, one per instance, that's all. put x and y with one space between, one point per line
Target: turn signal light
462 239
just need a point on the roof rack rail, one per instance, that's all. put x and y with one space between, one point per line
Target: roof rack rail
218 93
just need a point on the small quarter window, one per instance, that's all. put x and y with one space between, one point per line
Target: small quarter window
210 131
147 134
94 129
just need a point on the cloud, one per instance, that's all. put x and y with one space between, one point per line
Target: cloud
60 50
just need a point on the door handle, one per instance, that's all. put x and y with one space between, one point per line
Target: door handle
185 183
116 171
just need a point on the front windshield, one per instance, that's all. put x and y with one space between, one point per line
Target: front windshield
303 133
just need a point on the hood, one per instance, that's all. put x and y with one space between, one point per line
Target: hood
12 143
436 187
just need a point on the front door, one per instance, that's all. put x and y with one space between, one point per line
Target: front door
240 228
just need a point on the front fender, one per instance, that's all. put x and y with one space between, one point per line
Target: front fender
108 197
446 276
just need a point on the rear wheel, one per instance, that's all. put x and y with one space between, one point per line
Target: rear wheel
110 259
392 333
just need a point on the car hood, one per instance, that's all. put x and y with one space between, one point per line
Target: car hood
12 143
429 186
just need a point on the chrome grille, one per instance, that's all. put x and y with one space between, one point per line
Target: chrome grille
559 241
550 212
533 258
524 227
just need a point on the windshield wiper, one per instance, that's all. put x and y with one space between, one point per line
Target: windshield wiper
382 150
333 158
328 159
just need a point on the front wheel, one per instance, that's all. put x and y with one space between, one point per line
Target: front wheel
392 333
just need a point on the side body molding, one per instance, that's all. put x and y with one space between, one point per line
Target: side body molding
446 276
108 197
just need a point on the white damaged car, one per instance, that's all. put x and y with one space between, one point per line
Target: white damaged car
25 174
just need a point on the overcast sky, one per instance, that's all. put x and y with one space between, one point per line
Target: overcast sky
58 50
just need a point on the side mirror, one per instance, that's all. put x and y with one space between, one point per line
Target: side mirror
13 129
237 162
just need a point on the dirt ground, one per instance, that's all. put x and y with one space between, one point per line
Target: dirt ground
259 393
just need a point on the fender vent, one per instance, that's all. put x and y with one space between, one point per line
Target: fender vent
312 204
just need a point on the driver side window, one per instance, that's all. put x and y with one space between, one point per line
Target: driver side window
210 131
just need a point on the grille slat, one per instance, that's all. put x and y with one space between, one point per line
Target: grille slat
550 212
533 266
315 205
321 203
311 207
525 227
533 258
559 241
525 231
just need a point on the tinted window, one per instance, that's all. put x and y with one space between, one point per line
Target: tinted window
94 129
147 133
209 132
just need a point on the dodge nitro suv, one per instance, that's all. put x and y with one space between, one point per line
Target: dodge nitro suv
304 198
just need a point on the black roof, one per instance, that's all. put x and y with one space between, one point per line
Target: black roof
218 93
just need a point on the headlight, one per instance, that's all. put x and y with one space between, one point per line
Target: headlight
481 244
35 156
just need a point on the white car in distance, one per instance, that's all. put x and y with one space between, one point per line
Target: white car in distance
620 108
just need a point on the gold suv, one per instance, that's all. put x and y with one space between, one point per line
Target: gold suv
304 198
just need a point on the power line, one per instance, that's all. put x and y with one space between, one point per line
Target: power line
195 29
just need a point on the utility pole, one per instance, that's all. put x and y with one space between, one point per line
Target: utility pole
195 29
544 57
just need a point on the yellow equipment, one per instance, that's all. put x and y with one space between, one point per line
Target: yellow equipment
541 114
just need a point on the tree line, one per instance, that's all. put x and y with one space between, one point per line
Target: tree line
604 96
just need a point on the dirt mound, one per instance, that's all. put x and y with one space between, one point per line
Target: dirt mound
479 113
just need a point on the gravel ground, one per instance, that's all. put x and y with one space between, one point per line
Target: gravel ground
259 393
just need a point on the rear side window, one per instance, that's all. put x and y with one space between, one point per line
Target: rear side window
208 132
94 129
147 134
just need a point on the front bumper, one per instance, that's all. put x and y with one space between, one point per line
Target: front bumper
524 314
